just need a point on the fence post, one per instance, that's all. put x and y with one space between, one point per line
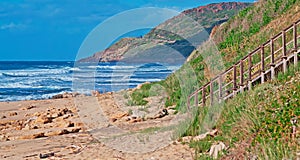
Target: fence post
188 102
234 80
203 96
211 93
295 46
250 75
220 88
262 64
196 99
284 58
242 76
272 59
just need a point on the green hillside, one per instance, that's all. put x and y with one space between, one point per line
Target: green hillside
255 123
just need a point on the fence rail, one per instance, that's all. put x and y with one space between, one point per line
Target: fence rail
258 66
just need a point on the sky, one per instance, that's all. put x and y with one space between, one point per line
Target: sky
54 30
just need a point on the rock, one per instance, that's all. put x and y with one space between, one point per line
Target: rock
215 149
95 93
136 120
66 116
28 107
46 155
65 124
74 129
161 114
119 115
57 132
3 117
113 119
3 138
55 115
171 111
37 114
199 137
13 114
43 119
33 136
59 96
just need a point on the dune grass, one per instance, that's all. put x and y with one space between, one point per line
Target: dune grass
256 123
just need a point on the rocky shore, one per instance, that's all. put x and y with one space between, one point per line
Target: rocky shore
55 128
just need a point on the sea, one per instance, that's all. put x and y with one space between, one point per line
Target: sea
34 80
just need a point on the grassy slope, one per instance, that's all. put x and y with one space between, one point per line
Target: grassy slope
234 39
257 123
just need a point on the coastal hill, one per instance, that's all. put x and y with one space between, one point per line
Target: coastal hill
259 124
174 33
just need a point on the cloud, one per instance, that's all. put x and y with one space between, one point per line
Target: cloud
11 26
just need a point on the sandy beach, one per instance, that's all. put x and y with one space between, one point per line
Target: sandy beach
65 128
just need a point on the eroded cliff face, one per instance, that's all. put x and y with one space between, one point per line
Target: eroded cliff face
186 27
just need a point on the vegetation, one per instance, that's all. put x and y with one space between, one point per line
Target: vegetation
256 123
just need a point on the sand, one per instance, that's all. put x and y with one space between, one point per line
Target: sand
89 127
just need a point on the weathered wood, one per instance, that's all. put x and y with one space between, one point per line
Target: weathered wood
211 93
250 67
262 58
242 72
188 102
283 44
272 52
234 80
250 74
203 96
295 45
220 88
196 99
243 67
262 64
272 59
295 37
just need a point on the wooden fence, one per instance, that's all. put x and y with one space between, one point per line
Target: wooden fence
260 65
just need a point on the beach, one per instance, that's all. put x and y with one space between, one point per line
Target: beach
58 129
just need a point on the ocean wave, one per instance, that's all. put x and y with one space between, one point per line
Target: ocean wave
33 73
29 86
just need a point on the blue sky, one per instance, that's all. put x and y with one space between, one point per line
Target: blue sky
55 29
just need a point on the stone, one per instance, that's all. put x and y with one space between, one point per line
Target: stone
3 138
56 132
215 149
171 111
46 155
59 96
54 115
136 120
33 136
43 119
13 114
119 116
199 137
95 93
161 114
28 107
74 129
